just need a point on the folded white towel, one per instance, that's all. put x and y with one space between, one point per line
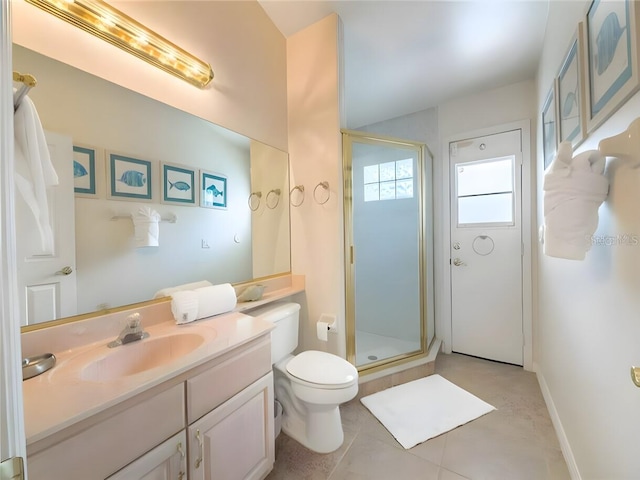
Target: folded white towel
167 292
215 300
184 306
34 171
146 225
574 188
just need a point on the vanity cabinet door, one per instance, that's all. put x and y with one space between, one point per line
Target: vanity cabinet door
236 440
165 462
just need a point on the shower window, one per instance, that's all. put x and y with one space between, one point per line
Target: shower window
388 180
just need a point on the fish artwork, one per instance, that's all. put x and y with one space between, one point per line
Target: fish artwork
570 101
180 185
213 190
607 42
79 170
133 178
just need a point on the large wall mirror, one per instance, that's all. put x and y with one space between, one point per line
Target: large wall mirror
239 236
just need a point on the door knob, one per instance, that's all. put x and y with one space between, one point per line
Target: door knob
65 271
459 263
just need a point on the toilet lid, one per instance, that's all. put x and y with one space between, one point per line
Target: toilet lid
322 368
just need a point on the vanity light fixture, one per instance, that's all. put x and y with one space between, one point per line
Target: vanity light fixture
102 20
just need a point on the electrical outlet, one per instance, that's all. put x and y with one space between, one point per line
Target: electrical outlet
205 244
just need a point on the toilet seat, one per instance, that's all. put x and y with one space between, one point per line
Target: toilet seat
321 370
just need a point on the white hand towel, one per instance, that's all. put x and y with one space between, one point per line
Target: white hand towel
574 188
34 171
215 300
184 306
167 292
146 224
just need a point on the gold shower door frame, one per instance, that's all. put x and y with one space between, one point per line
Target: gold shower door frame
349 137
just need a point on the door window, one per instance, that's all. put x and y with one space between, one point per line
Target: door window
484 192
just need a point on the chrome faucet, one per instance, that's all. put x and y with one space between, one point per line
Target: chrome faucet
131 333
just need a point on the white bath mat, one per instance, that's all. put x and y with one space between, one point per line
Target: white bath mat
416 411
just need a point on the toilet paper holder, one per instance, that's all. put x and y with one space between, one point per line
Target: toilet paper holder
327 323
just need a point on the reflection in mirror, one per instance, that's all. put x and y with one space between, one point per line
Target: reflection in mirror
230 242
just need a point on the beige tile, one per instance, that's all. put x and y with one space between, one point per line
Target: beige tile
412 374
515 442
374 386
449 475
295 462
432 449
480 450
371 459
357 416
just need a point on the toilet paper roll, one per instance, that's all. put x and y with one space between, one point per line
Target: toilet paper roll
323 331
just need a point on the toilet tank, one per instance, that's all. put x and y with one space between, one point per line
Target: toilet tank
284 337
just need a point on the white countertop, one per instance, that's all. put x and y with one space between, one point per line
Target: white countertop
59 398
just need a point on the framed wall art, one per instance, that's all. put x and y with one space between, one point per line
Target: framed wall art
571 125
549 130
88 166
179 184
611 53
213 190
129 178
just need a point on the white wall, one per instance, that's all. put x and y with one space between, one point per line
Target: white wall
588 311
247 52
100 114
315 153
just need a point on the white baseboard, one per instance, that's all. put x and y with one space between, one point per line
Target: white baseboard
557 424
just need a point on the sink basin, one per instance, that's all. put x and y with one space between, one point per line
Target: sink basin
140 356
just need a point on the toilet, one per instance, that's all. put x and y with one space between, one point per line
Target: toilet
310 385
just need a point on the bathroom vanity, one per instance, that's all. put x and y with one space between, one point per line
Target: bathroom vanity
191 401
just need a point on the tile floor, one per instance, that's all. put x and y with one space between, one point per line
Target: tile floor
515 442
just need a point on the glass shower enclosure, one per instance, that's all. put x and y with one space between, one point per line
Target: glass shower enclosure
385 243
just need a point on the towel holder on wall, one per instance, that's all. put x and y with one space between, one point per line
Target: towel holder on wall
625 145
254 199
275 193
299 188
325 186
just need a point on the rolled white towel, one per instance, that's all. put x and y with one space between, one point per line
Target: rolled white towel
184 306
215 299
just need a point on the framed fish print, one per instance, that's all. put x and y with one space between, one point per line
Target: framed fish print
213 190
571 125
88 168
549 130
179 184
129 178
611 51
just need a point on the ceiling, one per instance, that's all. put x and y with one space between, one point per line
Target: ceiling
405 56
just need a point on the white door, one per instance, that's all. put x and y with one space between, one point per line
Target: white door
486 247
47 280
